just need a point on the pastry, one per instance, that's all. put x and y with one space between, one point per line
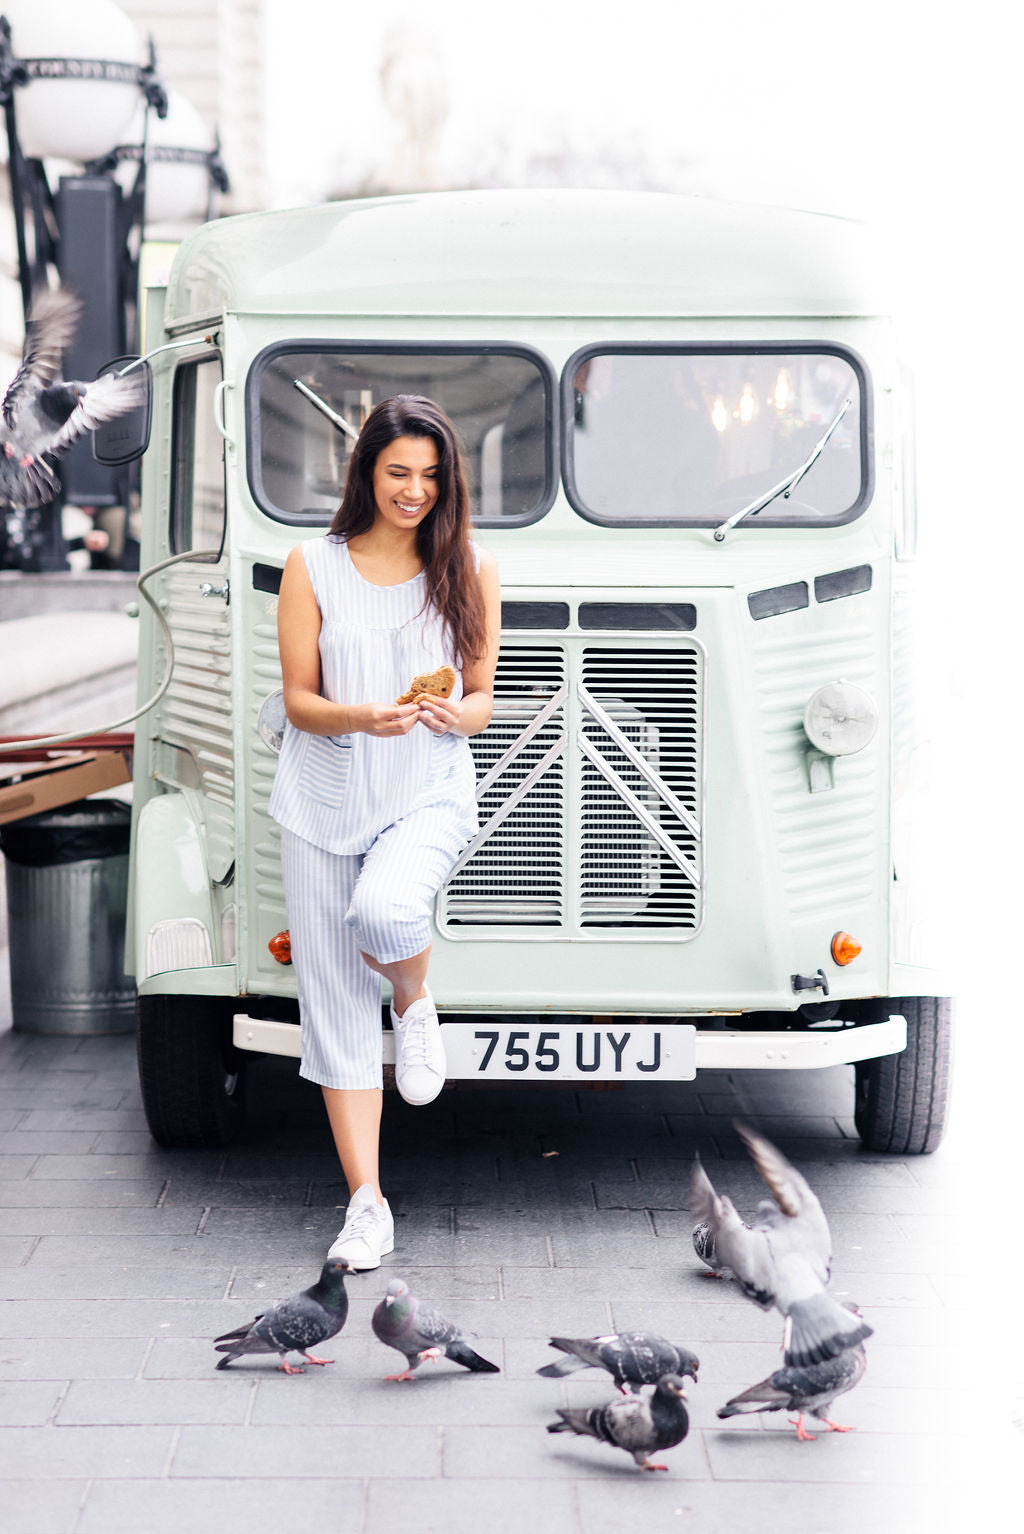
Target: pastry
439 683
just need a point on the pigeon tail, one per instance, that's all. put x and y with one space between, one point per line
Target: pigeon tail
573 1419
758 1398
820 1328
560 1367
461 1353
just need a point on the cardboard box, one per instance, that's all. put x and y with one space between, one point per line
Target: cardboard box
26 788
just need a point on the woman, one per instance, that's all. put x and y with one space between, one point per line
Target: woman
376 799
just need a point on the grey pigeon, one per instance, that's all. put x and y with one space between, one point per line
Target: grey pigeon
783 1260
296 1324
811 1389
636 1358
43 415
704 1246
638 1424
414 1327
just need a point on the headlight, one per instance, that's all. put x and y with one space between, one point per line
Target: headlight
271 720
840 718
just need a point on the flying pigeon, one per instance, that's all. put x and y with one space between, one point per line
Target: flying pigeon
414 1328
639 1424
296 1324
43 415
810 1390
784 1259
639 1358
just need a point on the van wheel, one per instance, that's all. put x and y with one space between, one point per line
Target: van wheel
192 1077
902 1101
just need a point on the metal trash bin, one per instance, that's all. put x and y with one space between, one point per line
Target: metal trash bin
67 895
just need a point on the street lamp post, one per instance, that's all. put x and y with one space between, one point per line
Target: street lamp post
90 229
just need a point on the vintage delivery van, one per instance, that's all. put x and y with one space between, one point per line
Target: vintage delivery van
690 446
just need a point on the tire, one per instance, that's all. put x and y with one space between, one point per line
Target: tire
902 1101
191 1076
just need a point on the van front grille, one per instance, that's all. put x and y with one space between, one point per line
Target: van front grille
590 785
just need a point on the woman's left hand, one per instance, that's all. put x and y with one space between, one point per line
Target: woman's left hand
440 715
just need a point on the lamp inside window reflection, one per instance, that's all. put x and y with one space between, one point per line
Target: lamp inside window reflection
719 414
748 405
783 391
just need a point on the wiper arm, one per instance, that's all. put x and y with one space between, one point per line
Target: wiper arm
332 415
785 486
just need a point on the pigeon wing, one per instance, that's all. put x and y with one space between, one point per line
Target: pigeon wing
48 333
794 1196
743 1251
299 1322
429 1329
629 1424
24 486
104 400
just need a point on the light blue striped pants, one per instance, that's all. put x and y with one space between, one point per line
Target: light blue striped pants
376 902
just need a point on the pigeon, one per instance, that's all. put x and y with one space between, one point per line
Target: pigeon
704 1246
414 1328
43 415
638 1424
783 1259
296 1324
812 1390
639 1358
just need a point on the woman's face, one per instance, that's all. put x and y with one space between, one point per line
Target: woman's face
405 481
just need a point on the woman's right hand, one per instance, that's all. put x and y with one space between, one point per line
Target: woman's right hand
382 719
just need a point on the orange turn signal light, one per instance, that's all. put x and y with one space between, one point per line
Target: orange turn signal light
844 948
280 946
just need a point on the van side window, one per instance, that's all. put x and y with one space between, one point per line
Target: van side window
686 436
197 489
500 398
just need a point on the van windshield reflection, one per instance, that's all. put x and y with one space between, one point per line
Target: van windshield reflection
708 438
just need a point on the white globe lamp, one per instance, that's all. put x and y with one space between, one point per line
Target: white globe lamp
178 148
83 59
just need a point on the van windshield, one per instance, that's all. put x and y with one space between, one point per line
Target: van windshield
499 398
685 437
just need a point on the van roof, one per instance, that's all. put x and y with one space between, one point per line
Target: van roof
539 253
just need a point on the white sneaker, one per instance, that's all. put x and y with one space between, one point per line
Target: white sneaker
419 1052
368 1233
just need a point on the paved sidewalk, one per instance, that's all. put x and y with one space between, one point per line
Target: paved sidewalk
521 1213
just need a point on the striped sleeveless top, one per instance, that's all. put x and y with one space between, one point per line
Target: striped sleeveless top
341 791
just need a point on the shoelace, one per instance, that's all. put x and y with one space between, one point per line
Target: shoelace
414 1042
356 1224
415 1048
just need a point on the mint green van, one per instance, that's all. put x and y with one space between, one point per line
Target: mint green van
690 442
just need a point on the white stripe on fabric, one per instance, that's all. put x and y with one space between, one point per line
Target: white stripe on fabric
341 792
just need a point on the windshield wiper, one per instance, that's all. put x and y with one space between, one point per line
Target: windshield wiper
785 486
332 415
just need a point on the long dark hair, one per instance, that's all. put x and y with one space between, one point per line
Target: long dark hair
442 538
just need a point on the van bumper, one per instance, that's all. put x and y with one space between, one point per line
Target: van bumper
716 1048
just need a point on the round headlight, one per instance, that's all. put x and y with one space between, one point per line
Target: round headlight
271 721
840 718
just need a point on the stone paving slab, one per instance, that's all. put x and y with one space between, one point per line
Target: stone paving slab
120 1262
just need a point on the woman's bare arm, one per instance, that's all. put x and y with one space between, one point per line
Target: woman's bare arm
298 638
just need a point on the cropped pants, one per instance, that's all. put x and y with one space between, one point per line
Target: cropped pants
376 902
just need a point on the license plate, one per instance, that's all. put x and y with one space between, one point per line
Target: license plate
581 1052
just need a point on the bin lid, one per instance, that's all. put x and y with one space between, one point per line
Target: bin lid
89 828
